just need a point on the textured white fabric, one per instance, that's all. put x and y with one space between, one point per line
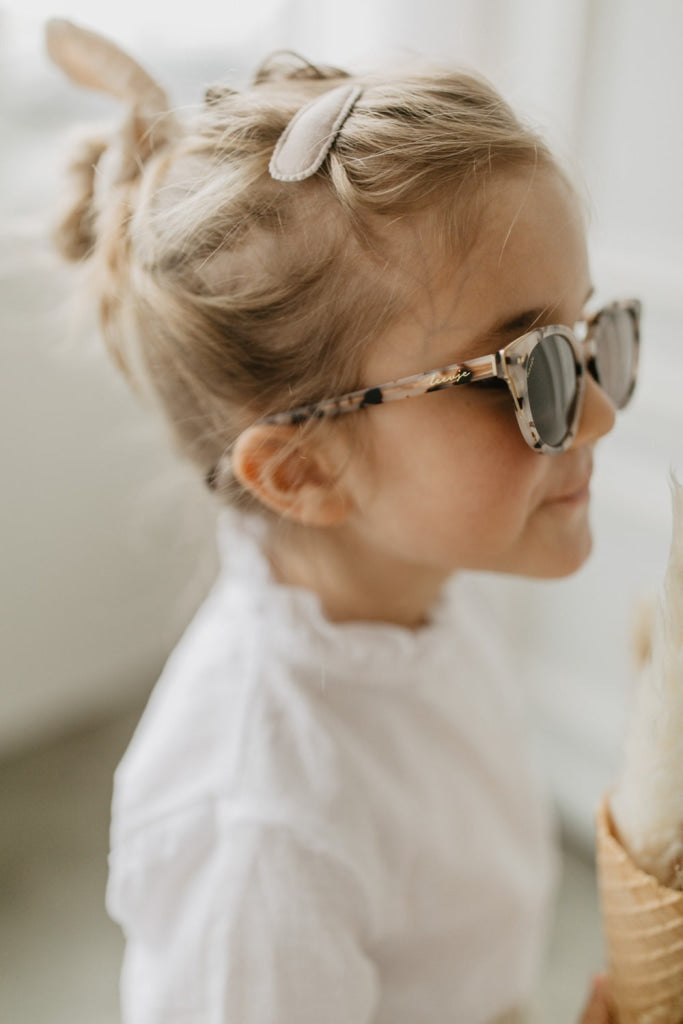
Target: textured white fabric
327 824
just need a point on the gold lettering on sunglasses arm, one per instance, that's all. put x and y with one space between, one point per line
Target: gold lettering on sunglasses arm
444 380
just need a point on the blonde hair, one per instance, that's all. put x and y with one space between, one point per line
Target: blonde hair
230 295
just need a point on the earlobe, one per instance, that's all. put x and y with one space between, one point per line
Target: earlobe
290 475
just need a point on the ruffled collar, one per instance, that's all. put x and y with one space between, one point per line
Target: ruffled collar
298 612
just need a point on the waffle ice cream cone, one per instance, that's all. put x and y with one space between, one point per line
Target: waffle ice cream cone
643 923
640 824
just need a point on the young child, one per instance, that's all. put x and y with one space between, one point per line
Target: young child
327 814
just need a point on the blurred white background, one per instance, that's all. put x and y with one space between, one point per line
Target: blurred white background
106 543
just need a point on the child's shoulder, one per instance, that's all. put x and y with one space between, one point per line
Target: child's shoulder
239 713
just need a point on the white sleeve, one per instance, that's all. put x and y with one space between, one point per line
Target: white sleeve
238 924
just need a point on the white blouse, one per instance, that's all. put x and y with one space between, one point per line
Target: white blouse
322 823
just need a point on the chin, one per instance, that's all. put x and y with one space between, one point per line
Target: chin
566 562
553 561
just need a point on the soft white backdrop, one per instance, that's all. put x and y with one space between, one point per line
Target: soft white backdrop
105 544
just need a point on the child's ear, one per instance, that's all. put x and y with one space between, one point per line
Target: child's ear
290 474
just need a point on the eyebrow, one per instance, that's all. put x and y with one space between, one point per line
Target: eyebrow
522 322
519 324
493 337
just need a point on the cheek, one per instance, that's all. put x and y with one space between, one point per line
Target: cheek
504 484
456 461
486 444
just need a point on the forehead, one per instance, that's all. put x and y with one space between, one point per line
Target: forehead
529 253
532 236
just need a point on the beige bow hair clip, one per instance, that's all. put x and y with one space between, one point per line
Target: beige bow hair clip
308 138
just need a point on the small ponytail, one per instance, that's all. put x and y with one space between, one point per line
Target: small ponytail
285 65
74 234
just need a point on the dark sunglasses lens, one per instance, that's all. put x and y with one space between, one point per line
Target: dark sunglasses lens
552 388
616 355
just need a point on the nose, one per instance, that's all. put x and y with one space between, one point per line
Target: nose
598 414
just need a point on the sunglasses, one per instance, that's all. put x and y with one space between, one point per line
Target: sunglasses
544 370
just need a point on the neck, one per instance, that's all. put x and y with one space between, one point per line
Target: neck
354 583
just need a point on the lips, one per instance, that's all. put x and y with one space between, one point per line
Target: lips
578 489
581 495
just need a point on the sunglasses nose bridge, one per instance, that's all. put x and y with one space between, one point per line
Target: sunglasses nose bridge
582 331
588 354
598 413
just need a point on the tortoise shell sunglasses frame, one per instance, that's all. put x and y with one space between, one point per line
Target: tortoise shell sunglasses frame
509 365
